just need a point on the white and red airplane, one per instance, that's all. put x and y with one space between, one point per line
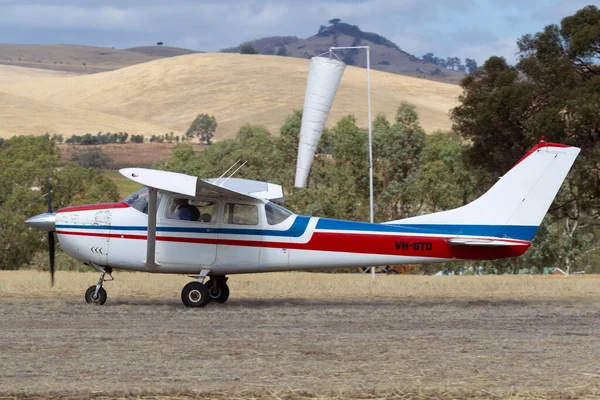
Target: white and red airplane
179 224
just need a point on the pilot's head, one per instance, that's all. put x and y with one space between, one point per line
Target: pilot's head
181 202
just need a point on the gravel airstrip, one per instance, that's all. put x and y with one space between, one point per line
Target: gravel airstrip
383 345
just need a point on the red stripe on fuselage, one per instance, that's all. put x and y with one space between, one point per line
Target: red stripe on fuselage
89 207
409 246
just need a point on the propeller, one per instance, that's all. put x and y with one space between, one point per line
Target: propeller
51 243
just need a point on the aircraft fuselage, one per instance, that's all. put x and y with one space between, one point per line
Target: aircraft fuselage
115 235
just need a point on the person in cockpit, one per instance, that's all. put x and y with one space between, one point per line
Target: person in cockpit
186 211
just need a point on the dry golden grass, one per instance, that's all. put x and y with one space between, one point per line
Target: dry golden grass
69 57
309 286
21 115
301 336
10 74
236 88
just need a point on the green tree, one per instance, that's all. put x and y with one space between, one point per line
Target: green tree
471 65
554 91
247 48
443 181
397 152
204 127
26 165
91 158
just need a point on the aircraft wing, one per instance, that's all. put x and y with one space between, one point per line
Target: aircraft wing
188 185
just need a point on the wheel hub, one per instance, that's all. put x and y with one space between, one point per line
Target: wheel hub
215 291
195 296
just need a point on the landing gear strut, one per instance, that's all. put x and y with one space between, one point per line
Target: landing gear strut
96 294
199 294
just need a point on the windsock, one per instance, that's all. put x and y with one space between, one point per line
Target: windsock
323 81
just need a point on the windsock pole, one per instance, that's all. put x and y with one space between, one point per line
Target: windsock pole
368 48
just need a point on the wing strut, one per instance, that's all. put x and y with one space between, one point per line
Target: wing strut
151 242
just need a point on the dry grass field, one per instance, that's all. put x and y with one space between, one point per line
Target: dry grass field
68 57
302 336
236 88
142 155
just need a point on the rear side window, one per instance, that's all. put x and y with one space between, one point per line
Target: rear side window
240 214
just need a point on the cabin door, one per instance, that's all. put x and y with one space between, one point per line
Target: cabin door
240 237
187 232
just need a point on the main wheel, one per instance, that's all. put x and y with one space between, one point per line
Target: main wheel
99 299
218 292
195 294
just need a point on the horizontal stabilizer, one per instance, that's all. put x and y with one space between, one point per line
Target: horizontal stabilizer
484 242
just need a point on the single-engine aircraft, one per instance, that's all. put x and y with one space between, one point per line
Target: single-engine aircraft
180 224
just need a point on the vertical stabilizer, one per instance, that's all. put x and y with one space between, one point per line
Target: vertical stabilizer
519 200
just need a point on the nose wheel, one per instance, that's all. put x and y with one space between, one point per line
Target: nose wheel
95 297
96 294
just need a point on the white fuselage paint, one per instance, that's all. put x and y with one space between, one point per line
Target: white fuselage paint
116 237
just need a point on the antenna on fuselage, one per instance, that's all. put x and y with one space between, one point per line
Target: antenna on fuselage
228 169
233 173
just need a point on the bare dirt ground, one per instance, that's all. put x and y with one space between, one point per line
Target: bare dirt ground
293 346
141 155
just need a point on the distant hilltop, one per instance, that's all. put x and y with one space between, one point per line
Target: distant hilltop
82 59
385 54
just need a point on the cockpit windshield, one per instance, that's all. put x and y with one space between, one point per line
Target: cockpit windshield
276 214
138 200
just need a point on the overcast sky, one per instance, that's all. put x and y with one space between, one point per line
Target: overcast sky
462 28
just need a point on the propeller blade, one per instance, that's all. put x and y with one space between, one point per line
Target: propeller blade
51 244
51 250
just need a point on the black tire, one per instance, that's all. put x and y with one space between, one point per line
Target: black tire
218 292
99 300
195 294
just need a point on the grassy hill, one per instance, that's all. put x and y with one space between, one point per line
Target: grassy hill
71 58
268 45
26 116
162 51
168 93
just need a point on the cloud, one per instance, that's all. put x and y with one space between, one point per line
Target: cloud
66 17
554 13
416 26
513 20
473 37
506 47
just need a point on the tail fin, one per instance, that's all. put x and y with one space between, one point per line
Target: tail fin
516 205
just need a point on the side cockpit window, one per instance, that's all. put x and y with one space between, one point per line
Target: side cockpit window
139 200
185 209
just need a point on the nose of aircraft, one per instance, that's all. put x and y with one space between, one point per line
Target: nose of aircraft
43 222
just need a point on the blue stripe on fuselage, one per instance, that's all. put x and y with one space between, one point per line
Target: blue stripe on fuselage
296 230
523 232
299 226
